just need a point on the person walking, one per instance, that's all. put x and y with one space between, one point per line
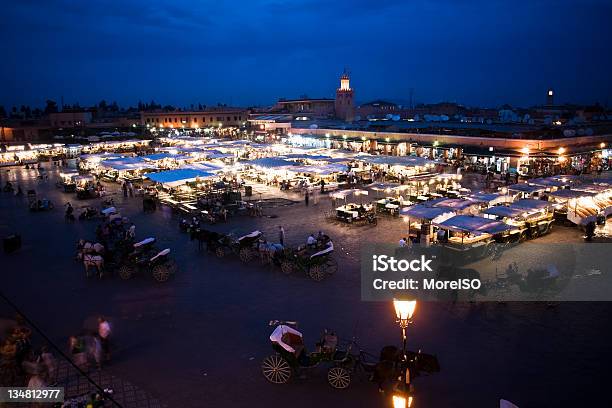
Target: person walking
131 232
104 333
69 212
125 190
50 365
95 351
306 198
281 235
131 189
77 351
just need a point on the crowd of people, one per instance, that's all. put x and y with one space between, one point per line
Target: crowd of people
22 364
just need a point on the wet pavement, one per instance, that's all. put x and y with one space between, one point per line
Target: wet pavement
198 339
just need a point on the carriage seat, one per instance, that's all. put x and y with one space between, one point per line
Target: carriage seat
254 234
109 211
161 254
328 250
145 241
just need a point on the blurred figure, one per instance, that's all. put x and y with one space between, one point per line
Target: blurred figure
104 333
50 365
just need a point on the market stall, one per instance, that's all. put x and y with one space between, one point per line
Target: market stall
458 205
473 234
592 208
420 219
85 186
67 182
525 190
538 214
124 168
560 200
351 212
491 199
179 188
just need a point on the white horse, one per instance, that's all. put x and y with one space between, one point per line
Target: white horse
93 260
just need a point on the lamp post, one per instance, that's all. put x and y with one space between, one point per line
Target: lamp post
404 310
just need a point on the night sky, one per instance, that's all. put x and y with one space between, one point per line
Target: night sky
476 52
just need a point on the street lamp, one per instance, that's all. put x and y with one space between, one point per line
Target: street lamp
404 310
402 401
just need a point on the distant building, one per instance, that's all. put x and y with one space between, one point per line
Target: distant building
312 108
344 104
67 119
304 108
264 123
195 119
377 108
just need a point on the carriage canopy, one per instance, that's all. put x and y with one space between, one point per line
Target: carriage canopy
284 335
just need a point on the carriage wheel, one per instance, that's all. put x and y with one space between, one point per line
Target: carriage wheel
338 377
219 252
286 267
276 369
316 273
126 272
245 255
160 273
331 266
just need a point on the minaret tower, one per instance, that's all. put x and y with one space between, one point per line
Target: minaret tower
550 97
344 104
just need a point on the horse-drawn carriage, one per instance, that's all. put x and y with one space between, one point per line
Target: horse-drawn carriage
246 246
316 262
148 259
290 358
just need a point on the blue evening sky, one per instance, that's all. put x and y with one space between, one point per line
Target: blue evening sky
476 52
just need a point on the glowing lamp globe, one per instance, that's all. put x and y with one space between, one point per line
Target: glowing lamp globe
404 309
